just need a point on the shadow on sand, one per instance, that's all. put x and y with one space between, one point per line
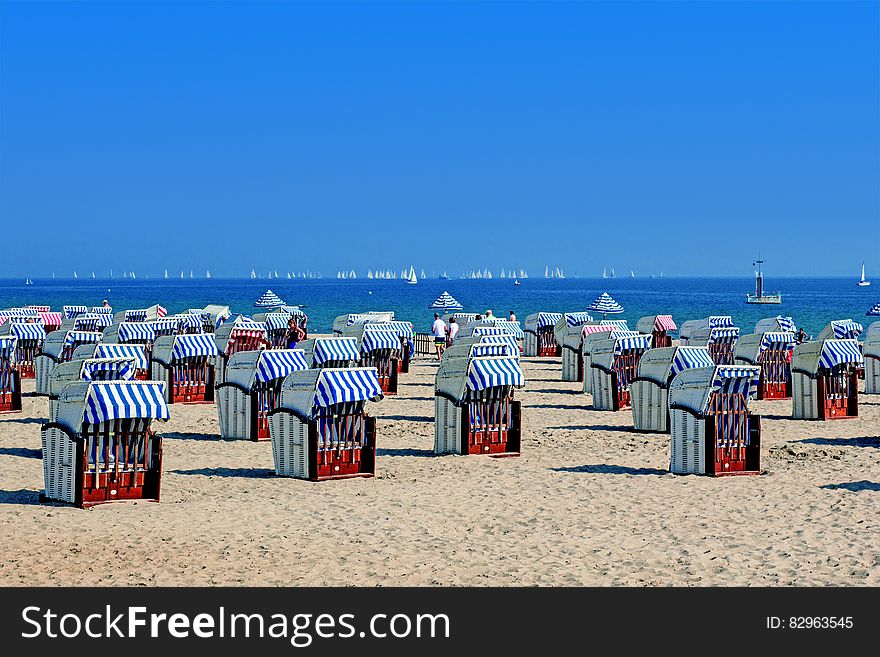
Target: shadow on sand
604 468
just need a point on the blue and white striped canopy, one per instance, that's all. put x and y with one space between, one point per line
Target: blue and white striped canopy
191 346
720 321
513 328
82 337
846 329
776 340
617 324
91 322
687 358
577 319
131 331
490 330
548 319
101 310
268 300
338 386
507 340
786 324
637 342
292 310
112 369
724 334
403 329
28 331
481 349
125 400
275 321
19 312
873 310
493 372
189 321
606 305
327 349
72 311
135 351
136 315
733 379
165 326
7 347
379 339
278 363
838 352
446 302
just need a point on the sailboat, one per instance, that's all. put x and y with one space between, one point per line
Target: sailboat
547 271
125 274
411 278
632 274
74 275
862 281
28 281
166 273
253 274
132 275
208 273
93 274
604 272
759 296
423 277
444 276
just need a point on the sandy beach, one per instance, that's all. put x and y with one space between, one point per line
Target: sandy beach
589 502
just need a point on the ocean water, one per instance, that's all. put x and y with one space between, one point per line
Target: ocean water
812 302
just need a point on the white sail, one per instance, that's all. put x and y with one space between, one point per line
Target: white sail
547 271
125 274
422 276
166 273
132 275
208 273
632 274
74 275
863 282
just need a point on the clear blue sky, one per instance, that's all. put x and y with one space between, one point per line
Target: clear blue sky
675 136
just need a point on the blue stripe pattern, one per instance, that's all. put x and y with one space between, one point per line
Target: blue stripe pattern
268 300
489 330
846 329
776 340
606 305
129 331
28 331
838 352
720 321
507 340
338 386
7 347
687 358
190 346
275 321
786 324
73 311
278 363
378 339
135 351
481 349
101 310
403 329
335 349
446 302
82 337
492 372
92 322
135 315
724 334
125 400
548 319
165 326
637 342
577 319
113 369
617 324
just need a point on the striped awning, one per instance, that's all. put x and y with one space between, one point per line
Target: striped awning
328 349
275 321
403 329
268 300
507 340
132 331
134 351
72 311
97 310
136 315
594 328
776 340
82 337
838 352
189 321
248 329
489 330
7 347
724 334
664 323
846 329
92 321
278 363
293 311
687 358
606 305
338 386
548 319
374 339
513 328
734 379
492 372
49 318
617 324
576 319
28 331
446 302
483 349
111 369
125 400
786 324
165 326
40 309
191 346
637 342
18 312
720 321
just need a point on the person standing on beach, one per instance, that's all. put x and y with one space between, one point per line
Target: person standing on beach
453 331
294 334
512 317
439 331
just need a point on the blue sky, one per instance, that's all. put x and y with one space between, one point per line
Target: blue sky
656 136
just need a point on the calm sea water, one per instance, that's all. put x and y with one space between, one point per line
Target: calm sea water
813 302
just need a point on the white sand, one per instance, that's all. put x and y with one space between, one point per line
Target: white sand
590 502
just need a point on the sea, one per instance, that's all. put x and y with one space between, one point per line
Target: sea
811 302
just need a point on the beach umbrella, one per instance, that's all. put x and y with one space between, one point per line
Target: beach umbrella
446 302
874 310
268 300
606 305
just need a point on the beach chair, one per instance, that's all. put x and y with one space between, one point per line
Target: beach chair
380 348
234 336
213 315
539 340
51 321
873 328
102 448
193 323
136 352
58 347
721 342
474 409
276 328
86 369
343 321
92 322
29 341
613 365
649 391
185 364
778 324
659 327
568 322
824 379
406 334
101 310
712 431
685 333
71 312
165 326
462 319
321 429
572 347
771 351
336 352
10 377
252 390
592 334
840 329
871 354
135 334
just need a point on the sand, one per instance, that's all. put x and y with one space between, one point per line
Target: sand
590 502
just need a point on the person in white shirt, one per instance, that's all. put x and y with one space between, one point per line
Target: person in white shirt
439 331
453 329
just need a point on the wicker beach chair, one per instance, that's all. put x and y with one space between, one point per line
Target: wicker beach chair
613 366
824 377
10 377
771 351
185 364
539 339
659 327
58 347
